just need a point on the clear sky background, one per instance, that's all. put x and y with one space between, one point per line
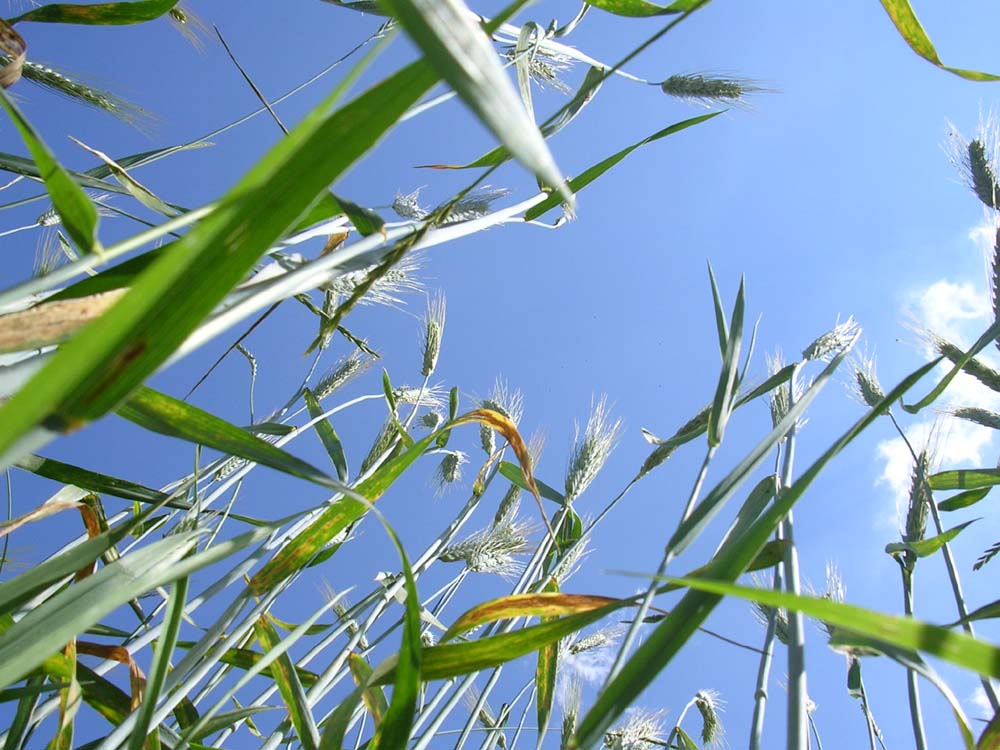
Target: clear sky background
833 194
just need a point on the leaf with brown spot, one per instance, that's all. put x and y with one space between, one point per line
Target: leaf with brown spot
544 605
16 49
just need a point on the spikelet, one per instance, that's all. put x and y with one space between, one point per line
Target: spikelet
641 730
915 524
865 386
711 90
763 613
432 398
66 85
709 704
841 336
385 439
974 367
983 417
509 403
494 549
976 160
591 450
544 67
433 331
387 290
189 25
475 205
449 470
342 372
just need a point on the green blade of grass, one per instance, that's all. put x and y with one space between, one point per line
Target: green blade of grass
546 604
374 697
720 314
982 342
93 481
162 652
908 26
644 9
927 547
963 499
287 679
589 175
166 415
100 14
964 479
723 402
463 55
327 435
903 632
545 675
76 211
514 474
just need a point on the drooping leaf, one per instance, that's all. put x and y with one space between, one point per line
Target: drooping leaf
100 14
963 499
927 547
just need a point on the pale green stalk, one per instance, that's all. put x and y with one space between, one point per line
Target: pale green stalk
764 668
912 688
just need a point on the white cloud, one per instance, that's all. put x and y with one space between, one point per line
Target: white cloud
980 702
944 306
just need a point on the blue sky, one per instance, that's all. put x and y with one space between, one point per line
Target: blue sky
833 195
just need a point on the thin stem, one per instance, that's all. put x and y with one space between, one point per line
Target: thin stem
764 668
912 689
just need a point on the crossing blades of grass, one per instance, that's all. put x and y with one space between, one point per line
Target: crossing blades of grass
287 679
463 55
643 9
76 211
723 403
579 183
909 27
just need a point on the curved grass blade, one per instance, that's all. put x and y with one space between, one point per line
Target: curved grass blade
93 481
927 547
545 675
545 604
76 211
963 499
339 721
463 55
909 27
964 479
723 403
720 314
161 413
579 183
100 14
727 565
514 474
327 435
985 340
373 698
644 9
20 724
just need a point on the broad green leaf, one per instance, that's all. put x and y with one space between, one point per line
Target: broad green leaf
287 679
963 499
100 14
335 727
166 415
327 435
644 9
986 612
374 698
909 27
94 371
229 718
903 632
990 738
75 209
578 183
20 724
545 675
927 547
724 391
964 479
463 55
93 481
547 605
663 643
162 652
514 474
245 658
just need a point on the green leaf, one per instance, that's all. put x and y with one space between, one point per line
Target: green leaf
166 415
547 604
287 679
463 55
100 14
903 632
513 473
545 675
990 738
909 27
75 209
339 721
644 9
327 435
927 547
964 479
93 481
94 371
724 391
963 499
578 183
374 698
227 719
442 440
162 652
988 337
720 314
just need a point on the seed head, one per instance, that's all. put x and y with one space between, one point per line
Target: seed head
384 441
544 67
591 450
976 160
449 471
865 386
433 330
974 367
710 90
570 697
641 730
432 397
493 549
343 372
983 417
842 336
709 704
763 613
407 205
915 525
432 420
387 290
603 638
